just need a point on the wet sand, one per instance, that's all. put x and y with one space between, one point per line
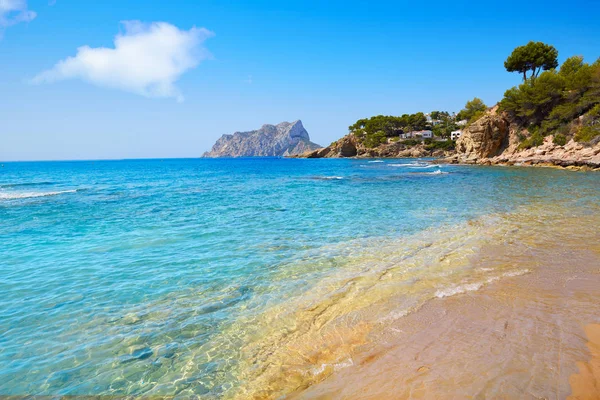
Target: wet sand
586 384
533 336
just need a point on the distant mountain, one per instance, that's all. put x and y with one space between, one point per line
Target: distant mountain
284 139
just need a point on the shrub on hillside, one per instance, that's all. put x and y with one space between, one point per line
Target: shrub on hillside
535 140
559 139
445 145
587 134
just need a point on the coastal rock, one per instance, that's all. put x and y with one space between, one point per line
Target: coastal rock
485 138
349 146
493 140
571 155
284 139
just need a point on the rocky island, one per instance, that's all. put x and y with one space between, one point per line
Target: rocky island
283 139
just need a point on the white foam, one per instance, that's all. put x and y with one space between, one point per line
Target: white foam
336 367
469 287
375 161
410 165
28 195
395 315
424 166
515 273
344 364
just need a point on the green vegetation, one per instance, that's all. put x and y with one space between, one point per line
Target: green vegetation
534 57
446 124
411 142
445 145
473 110
588 134
375 130
375 139
536 139
554 101
559 139
381 129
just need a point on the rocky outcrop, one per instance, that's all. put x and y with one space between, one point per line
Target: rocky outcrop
283 139
571 155
494 140
349 146
485 138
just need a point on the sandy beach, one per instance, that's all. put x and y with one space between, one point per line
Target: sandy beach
533 336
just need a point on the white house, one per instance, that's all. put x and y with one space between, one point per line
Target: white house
462 122
455 134
424 134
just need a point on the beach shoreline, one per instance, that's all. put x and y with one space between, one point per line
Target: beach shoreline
519 336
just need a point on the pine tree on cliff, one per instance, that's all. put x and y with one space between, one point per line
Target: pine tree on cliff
534 57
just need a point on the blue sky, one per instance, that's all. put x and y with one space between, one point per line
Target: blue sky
327 63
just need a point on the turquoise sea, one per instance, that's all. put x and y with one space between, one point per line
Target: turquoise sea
227 277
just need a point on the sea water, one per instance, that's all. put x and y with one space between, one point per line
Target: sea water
241 277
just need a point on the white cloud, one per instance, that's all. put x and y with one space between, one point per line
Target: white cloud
147 59
14 11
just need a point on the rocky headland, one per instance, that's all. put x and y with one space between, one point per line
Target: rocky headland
349 146
283 139
493 139
496 140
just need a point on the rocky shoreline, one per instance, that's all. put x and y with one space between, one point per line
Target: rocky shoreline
494 140
349 146
491 140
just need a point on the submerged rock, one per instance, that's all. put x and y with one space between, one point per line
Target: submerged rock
283 139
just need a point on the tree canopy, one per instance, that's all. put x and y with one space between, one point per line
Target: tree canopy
473 109
375 130
534 57
566 101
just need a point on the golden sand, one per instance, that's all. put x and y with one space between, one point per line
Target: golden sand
586 384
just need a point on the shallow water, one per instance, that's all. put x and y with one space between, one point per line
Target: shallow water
249 277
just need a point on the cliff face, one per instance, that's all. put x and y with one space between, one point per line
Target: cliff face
348 146
283 139
487 137
494 139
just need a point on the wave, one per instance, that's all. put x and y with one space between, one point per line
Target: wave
30 195
411 165
459 289
424 166
24 184
437 172
470 287
375 161
328 178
